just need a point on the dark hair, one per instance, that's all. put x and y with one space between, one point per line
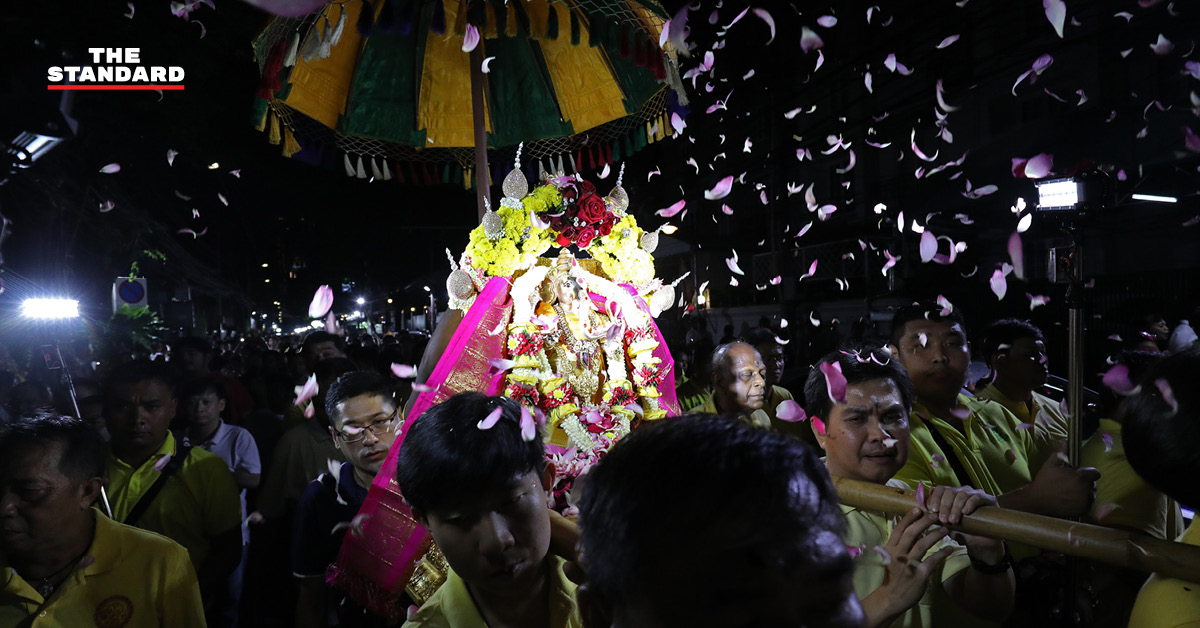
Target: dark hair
138 371
84 453
927 310
1162 443
318 337
1006 332
199 385
356 384
447 460
192 342
769 487
761 336
859 364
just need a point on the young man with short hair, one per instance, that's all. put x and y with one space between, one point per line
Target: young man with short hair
738 378
64 564
960 441
866 438
480 488
748 534
1162 441
774 358
1016 352
185 494
363 422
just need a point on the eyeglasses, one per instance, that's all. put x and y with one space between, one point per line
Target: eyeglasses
354 433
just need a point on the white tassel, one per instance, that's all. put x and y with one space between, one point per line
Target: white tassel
326 41
349 165
560 164
574 168
375 173
289 58
542 171
387 170
337 30
312 44
361 172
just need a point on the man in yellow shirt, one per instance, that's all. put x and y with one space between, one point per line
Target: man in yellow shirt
739 382
960 441
474 470
865 437
1162 443
750 535
775 359
187 495
62 563
1016 352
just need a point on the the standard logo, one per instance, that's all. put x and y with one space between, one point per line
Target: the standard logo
115 69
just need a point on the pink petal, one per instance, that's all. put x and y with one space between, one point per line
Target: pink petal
947 307
112 168
732 263
766 17
854 551
828 21
484 67
130 14
804 230
1036 301
727 210
790 411
1117 380
776 280
470 38
809 40
491 419
947 41
403 371
720 190
1016 252
498 365
670 212
309 411
1190 140
819 424
528 425
107 206
960 413
1163 46
677 122
1039 166
1056 12
171 154
331 325
884 556
891 261
1107 439
999 284
236 173
203 31
1168 395
835 382
307 391
928 246
162 463
322 302
920 494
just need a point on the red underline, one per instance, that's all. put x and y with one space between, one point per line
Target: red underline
120 87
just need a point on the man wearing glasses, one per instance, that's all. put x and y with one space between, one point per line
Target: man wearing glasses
362 415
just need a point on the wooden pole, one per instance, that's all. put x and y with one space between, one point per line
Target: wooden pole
1126 549
482 177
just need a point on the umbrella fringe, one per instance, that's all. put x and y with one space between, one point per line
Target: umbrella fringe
359 171
337 30
375 173
575 30
325 49
293 46
290 145
312 43
552 22
349 165
387 170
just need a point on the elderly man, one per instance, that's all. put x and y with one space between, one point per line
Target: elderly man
64 564
739 384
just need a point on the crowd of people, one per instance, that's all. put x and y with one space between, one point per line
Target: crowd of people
215 484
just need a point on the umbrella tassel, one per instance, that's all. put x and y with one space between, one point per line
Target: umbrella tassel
552 22
366 19
572 158
399 174
273 130
639 51
293 46
360 172
575 31
387 170
375 173
312 44
337 30
324 49
290 145
349 165
560 164
522 19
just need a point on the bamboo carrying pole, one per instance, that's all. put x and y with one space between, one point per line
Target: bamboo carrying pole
1126 549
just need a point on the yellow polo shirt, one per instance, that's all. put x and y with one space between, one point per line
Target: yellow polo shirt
137 579
798 429
691 395
1042 410
452 607
993 451
197 503
1140 506
758 418
865 530
1169 602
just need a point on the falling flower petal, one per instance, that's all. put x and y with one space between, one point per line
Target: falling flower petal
1016 252
1168 395
130 14
999 284
947 307
853 550
1107 439
677 122
403 371
928 246
171 154
947 41
499 365
470 38
107 206
1056 12
835 382
828 21
484 66
670 212
1025 222
528 425
322 301
111 168
1117 380
491 419
1036 301
920 494
812 270
766 17
1104 510
790 411
1163 46
605 172
1038 166
809 40
307 391
891 261
720 190
192 232
819 425
732 263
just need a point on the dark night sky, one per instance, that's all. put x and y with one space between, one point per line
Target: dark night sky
387 236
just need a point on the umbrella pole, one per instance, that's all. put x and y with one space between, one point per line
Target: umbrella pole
482 188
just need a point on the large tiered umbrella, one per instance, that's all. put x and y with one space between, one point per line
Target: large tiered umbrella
575 80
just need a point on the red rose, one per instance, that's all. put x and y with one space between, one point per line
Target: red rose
568 193
563 240
585 236
591 208
605 228
569 231
587 188
557 223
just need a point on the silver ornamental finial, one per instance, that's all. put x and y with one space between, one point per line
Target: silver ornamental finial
493 224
